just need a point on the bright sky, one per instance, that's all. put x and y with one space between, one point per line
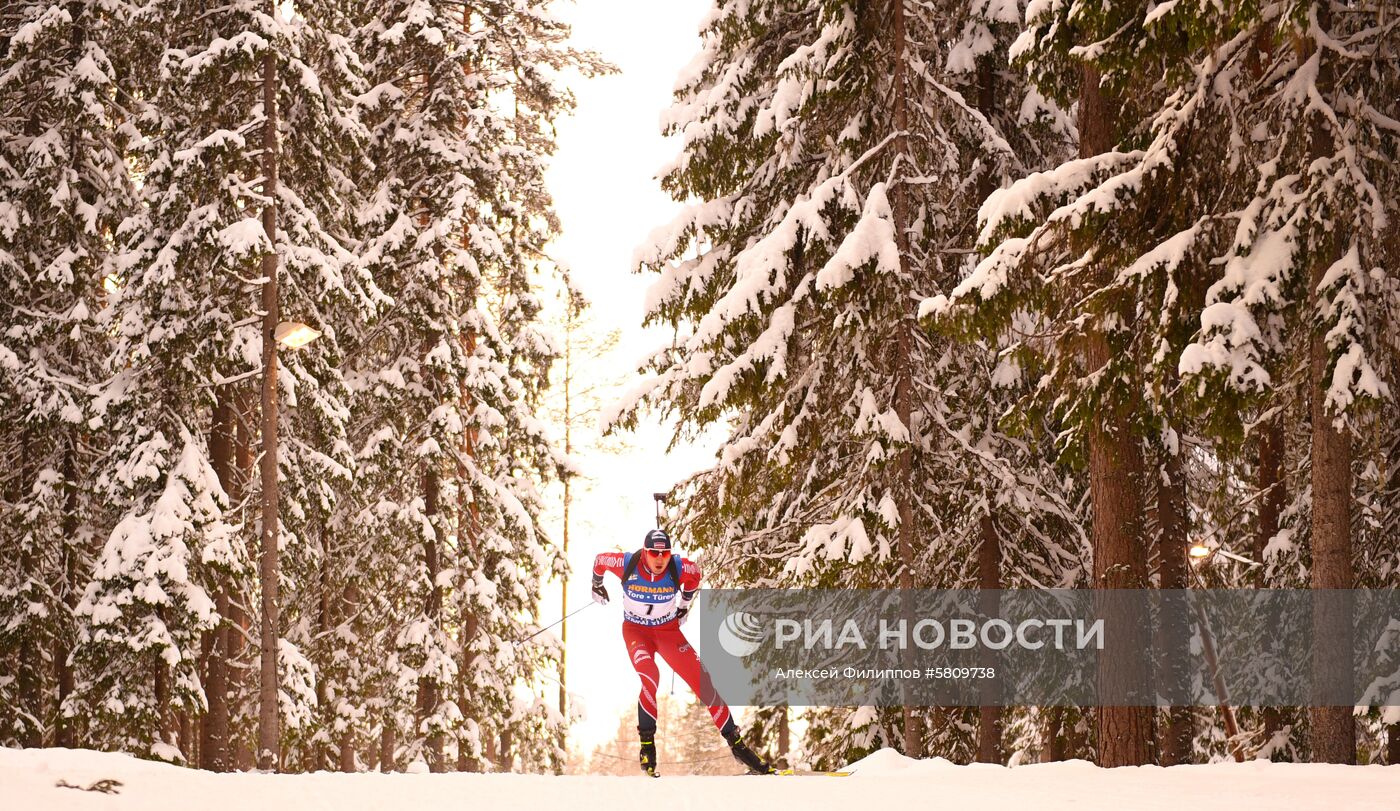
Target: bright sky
608 201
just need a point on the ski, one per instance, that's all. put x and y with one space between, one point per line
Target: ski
805 773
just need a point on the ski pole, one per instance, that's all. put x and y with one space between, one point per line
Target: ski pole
556 622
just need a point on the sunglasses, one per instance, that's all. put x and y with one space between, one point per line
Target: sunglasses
659 553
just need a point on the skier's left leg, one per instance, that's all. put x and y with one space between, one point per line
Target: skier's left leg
672 645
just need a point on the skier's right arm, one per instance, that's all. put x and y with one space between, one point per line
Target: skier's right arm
602 564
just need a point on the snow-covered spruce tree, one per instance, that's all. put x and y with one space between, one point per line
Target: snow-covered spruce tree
460 108
579 391
837 168
408 370
525 50
323 164
1268 377
1021 521
63 189
185 323
1307 261
1211 185
1082 298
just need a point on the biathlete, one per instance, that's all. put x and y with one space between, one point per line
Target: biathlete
657 589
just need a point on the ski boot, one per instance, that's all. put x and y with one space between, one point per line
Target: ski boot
744 754
649 757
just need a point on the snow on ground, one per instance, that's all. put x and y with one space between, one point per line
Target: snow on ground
885 780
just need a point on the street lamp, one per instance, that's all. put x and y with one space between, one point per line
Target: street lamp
294 334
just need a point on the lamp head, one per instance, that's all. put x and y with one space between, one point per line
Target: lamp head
294 334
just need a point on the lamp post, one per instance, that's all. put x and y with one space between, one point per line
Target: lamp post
292 334
1200 551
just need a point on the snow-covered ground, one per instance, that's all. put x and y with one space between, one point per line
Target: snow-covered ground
885 781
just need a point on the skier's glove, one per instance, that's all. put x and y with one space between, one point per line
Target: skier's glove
683 606
600 594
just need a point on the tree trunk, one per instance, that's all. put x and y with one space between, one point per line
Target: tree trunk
1124 731
350 598
269 727
989 580
386 745
1274 489
1173 645
428 687
903 393
347 752
1115 465
320 750
1332 728
1272 482
568 503
784 739
1052 748
989 723
505 756
29 680
187 743
65 734
466 760
238 688
160 676
31 688
65 731
468 529
213 750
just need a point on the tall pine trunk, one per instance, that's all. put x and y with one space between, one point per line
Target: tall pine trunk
65 728
467 761
903 394
1115 466
239 690
1173 647
468 531
386 744
505 756
213 750
29 679
782 761
989 723
428 687
1332 728
350 599
569 332
989 579
269 731
1273 488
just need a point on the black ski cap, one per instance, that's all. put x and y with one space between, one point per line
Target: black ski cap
657 539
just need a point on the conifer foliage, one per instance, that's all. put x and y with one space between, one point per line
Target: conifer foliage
1116 343
391 158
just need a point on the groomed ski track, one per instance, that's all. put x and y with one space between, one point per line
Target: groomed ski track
885 781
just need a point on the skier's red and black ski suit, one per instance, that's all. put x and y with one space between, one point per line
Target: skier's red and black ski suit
650 628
